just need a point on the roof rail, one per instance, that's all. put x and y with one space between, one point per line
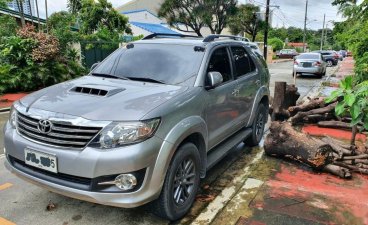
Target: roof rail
155 35
212 37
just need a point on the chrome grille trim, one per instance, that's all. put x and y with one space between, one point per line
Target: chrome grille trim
64 135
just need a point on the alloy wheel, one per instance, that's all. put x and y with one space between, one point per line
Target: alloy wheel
184 181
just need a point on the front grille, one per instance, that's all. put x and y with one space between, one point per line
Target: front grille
61 135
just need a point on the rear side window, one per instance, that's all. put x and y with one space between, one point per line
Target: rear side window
243 61
220 62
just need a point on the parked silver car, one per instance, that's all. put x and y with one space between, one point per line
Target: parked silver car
310 63
145 125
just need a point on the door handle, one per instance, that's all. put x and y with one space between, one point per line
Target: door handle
258 82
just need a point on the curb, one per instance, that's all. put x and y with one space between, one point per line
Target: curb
3 110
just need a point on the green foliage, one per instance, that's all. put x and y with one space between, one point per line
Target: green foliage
352 100
3 3
245 20
197 13
61 26
74 6
276 43
30 60
8 26
94 15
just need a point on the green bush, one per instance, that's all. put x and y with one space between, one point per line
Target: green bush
277 44
30 61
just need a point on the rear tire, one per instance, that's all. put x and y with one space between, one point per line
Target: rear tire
180 185
258 126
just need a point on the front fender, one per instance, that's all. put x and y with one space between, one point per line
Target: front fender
183 129
263 91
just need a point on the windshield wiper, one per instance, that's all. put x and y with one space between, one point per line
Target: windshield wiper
147 79
109 76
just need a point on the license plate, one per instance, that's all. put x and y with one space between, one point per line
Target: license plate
307 64
40 160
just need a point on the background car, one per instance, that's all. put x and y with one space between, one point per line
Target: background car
288 53
311 63
329 57
341 57
343 53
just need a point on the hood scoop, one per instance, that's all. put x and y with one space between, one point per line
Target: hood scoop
97 90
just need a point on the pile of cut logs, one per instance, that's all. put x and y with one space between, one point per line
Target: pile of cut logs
325 154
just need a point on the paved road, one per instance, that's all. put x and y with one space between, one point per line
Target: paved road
24 203
283 72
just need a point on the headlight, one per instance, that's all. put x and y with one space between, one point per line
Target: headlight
13 117
123 133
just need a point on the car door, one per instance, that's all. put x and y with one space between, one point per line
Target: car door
248 82
221 112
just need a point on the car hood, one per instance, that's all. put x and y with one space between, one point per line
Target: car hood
118 100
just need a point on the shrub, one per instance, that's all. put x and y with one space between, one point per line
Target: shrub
30 60
277 44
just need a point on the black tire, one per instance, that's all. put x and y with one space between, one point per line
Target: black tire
324 73
166 206
258 126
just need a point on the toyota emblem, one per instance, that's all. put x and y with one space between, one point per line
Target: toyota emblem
44 126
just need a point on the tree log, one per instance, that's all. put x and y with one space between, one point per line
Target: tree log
283 140
300 115
318 117
362 156
338 171
353 168
312 104
336 124
356 161
336 148
285 96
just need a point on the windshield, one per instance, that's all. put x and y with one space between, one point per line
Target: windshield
160 63
308 56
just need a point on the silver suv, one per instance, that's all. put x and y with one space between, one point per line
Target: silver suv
145 125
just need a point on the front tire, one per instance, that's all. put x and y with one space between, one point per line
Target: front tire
258 126
180 185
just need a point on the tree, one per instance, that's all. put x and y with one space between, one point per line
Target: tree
74 6
8 26
245 20
276 43
186 12
21 11
3 3
100 13
217 13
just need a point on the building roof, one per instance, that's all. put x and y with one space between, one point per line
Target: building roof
154 28
138 11
297 44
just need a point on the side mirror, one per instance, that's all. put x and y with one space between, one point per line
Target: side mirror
214 79
94 65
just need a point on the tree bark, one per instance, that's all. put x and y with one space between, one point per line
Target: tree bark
283 140
300 115
312 104
335 124
285 96
318 117
336 148
362 156
353 168
338 171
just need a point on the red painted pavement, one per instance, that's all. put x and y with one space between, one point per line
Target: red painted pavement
8 99
337 195
335 133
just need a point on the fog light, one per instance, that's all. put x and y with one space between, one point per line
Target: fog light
125 181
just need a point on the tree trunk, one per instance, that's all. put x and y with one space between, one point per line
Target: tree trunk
353 168
353 135
21 12
283 140
336 148
300 115
285 96
338 171
38 16
318 117
313 104
335 124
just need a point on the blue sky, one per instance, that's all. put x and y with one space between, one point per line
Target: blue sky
290 12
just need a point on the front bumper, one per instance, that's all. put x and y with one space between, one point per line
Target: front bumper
91 163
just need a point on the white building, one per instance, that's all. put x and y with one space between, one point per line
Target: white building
27 8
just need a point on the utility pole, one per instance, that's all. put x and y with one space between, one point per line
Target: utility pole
47 18
266 30
305 24
323 30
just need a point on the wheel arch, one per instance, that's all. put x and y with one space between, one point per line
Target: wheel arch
262 96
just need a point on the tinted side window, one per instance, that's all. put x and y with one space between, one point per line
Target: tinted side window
243 61
220 62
